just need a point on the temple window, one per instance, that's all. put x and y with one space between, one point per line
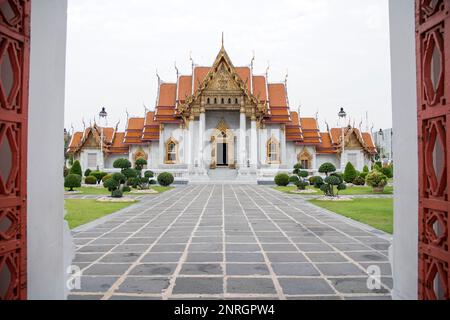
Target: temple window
273 151
236 101
223 101
208 101
92 160
305 159
229 100
171 151
215 100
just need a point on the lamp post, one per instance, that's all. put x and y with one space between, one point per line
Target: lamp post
342 115
103 114
381 133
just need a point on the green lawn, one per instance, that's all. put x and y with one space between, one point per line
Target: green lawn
349 191
377 213
104 191
80 211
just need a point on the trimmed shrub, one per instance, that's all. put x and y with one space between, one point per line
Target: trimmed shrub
333 180
327 168
76 168
152 182
140 163
363 175
117 193
376 180
111 184
281 180
303 174
350 173
366 169
165 179
122 163
301 185
130 173
318 182
90 180
359 181
87 173
387 171
99 175
107 177
126 189
338 175
297 168
119 177
149 174
66 172
294 179
72 181
341 187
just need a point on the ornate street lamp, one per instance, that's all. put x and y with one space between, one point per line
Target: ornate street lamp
342 115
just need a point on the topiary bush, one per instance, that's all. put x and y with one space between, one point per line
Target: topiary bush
130 173
330 183
139 164
87 173
152 182
66 171
359 181
117 193
99 175
327 168
122 164
72 181
294 179
318 182
76 169
91 180
297 168
350 173
281 179
301 185
366 169
108 176
303 174
119 177
149 174
341 187
111 184
126 189
165 179
377 181
363 175
387 171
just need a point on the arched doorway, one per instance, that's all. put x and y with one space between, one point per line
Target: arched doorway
222 147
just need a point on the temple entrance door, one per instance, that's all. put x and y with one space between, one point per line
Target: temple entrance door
222 154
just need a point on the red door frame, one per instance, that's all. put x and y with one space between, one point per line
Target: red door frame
15 51
433 83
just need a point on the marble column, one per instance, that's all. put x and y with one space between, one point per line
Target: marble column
190 142
283 156
242 139
254 144
201 138
162 145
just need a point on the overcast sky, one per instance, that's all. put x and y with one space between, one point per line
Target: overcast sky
336 52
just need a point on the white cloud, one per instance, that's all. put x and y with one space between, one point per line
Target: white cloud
337 52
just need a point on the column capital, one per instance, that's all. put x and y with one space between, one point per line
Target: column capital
242 110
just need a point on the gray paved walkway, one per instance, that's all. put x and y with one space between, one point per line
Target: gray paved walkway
228 242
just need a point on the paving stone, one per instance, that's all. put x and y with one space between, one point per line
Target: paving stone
102 269
77 297
206 247
277 247
138 248
299 286
295 269
351 246
286 257
96 248
162 257
198 286
386 297
244 257
143 285
367 256
242 247
385 268
121 257
154 269
168 248
340 269
250 285
95 283
314 247
136 240
134 298
247 269
326 257
86 257
201 269
354 285
204 257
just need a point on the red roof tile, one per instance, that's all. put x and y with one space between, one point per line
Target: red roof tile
260 88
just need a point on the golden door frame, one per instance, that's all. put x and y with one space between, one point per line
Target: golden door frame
218 137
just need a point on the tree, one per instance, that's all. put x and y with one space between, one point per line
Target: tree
327 168
297 168
115 185
350 173
140 164
76 169
165 179
122 164
72 181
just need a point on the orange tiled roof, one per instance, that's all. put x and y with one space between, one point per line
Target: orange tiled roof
165 110
293 129
367 137
260 88
311 132
244 74
151 128
200 74
133 133
326 147
184 87
279 110
75 142
118 146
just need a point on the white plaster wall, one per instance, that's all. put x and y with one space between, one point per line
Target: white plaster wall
153 157
174 131
109 160
323 158
404 106
360 159
271 130
50 249
84 159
